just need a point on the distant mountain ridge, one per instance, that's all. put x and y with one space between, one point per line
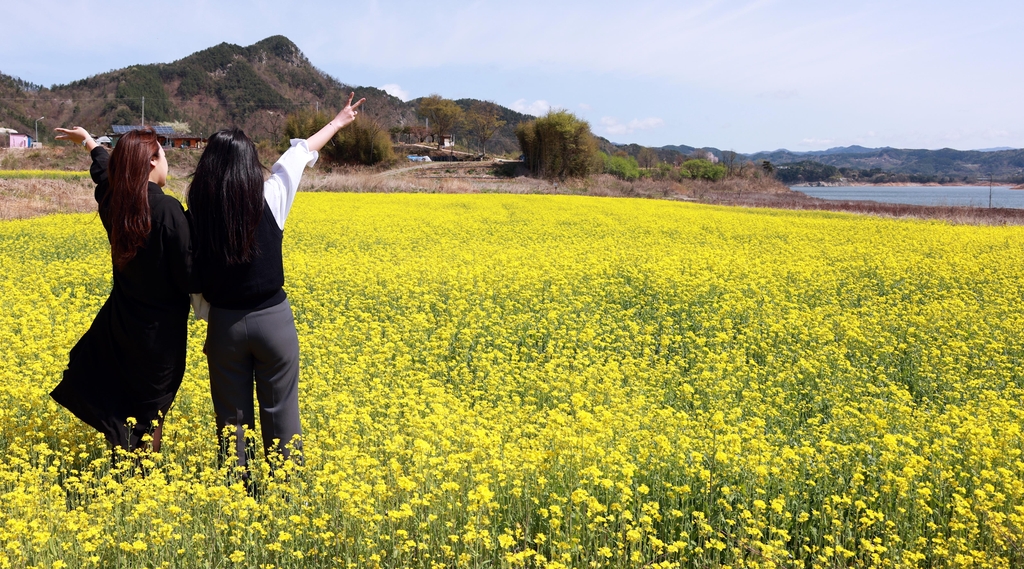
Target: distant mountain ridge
884 164
944 165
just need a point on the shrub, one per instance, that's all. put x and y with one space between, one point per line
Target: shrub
558 145
623 167
703 170
363 141
302 124
665 171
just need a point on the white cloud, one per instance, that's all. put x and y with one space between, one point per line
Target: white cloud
585 106
536 108
817 142
612 125
396 91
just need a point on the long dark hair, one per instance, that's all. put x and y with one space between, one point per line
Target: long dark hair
226 198
127 199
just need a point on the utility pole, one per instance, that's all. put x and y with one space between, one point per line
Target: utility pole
982 179
990 190
143 111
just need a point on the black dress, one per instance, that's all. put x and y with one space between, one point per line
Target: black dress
131 360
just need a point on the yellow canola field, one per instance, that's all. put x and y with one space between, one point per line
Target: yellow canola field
554 381
45 174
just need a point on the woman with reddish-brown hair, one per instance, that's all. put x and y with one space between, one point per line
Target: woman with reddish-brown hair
123 374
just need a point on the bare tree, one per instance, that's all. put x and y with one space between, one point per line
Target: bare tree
419 132
647 158
729 158
444 115
265 125
482 122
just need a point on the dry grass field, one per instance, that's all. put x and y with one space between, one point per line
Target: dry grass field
24 198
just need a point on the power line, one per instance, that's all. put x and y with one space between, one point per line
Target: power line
288 105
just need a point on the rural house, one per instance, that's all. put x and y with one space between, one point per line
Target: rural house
20 140
165 134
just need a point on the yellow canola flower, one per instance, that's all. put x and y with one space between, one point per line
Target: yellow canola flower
557 381
45 174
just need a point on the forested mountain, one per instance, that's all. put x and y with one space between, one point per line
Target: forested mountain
897 165
252 87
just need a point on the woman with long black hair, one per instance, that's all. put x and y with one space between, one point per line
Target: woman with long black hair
239 229
124 373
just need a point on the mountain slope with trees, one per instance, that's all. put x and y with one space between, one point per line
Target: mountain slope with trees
254 87
898 165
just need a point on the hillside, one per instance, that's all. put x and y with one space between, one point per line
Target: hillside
252 87
944 166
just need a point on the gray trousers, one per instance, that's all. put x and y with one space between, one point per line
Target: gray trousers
255 347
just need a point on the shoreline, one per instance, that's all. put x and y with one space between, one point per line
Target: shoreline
904 185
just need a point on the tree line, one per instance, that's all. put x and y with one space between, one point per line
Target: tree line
558 145
810 172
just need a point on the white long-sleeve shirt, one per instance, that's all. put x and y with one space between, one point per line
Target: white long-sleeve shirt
285 175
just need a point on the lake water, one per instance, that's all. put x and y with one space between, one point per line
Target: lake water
977 196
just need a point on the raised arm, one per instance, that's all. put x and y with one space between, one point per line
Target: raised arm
279 190
347 115
78 135
98 170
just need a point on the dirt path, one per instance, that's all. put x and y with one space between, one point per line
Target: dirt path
396 171
481 165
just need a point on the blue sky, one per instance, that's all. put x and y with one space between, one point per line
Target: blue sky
742 75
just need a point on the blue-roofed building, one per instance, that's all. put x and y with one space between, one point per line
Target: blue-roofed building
120 129
165 134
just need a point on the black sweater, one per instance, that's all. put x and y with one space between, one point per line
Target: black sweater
247 286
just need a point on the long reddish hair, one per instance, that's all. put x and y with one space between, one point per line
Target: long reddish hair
128 172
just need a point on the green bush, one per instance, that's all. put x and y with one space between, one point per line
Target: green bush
665 171
558 145
302 124
361 142
624 167
703 170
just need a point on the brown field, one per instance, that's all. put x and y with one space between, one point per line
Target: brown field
30 198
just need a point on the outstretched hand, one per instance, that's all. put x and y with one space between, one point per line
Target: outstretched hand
78 135
348 114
